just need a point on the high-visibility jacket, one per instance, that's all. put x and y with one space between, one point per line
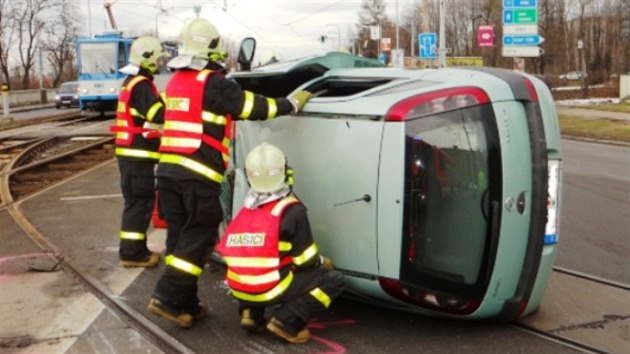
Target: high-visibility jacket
130 124
184 119
251 248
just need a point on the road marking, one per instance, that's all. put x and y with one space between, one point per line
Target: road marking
87 197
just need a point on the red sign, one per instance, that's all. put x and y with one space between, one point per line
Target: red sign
485 36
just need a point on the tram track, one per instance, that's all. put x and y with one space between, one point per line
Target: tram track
37 165
37 158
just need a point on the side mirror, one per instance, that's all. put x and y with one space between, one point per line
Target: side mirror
246 53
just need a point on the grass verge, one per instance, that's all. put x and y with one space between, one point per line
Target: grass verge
600 129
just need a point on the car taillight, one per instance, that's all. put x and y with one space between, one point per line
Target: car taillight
533 95
553 201
437 101
429 299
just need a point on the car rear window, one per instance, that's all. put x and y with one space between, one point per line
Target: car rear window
449 159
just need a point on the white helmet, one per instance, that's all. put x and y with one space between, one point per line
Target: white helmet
199 39
145 52
265 166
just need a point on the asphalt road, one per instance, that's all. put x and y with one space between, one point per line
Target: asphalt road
595 223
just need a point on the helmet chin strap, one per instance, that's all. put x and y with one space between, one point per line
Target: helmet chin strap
255 199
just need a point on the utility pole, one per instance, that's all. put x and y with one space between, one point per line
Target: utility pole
397 20
442 35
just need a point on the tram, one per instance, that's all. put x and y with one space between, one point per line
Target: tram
433 191
99 60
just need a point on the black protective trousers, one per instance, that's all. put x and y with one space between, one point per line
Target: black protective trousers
192 211
296 306
137 183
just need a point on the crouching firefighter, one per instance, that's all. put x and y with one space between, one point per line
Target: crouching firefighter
139 117
271 256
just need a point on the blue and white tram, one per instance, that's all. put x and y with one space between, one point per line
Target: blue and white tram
99 60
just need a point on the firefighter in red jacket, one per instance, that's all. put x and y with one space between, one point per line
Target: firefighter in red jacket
195 150
139 116
271 256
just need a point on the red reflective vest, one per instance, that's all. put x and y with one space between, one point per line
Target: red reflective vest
184 116
125 127
250 247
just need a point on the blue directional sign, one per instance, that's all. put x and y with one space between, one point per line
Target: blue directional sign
533 39
427 42
520 3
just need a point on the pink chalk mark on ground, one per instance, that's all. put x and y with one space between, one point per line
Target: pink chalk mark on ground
332 346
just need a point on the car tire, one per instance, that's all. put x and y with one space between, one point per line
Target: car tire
58 107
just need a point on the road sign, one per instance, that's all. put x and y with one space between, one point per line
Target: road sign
398 59
520 29
519 3
427 42
533 39
529 51
520 16
485 36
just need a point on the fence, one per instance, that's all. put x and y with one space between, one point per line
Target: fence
27 97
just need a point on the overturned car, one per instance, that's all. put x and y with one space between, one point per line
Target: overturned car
433 191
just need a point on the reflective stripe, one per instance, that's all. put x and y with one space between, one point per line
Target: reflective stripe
180 142
281 204
254 279
306 255
272 108
183 265
248 105
252 262
135 236
137 153
284 246
213 118
183 126
321 296
153 110
192 165
271 294
134 112
203 74
121 107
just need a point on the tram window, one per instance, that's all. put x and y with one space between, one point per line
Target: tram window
122 55
446 186
97 58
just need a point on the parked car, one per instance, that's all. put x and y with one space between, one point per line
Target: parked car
67 95
433 191
573 76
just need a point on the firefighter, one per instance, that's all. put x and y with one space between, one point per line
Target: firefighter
139 116
195 150
271 256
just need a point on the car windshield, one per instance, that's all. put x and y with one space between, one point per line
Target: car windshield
97 58
68 88
447 211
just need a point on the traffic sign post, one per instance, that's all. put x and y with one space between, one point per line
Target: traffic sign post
427 43
520 29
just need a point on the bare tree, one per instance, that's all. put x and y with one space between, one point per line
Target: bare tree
371 13
7 36
59 44
30 23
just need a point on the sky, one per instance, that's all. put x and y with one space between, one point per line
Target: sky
286 28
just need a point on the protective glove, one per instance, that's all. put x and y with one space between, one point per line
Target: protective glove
298 99
326 263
